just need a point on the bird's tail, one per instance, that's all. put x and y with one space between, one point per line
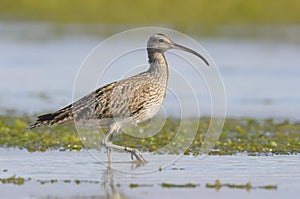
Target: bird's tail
60 116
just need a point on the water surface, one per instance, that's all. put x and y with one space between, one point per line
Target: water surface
38 71
282 171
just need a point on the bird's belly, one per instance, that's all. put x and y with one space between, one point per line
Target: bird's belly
150 110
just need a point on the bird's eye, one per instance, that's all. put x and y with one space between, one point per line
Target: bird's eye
161 40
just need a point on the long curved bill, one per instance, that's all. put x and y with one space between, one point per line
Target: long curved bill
180 47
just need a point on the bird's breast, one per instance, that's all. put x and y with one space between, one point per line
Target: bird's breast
152 99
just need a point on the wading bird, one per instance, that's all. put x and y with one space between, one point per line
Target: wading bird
125 102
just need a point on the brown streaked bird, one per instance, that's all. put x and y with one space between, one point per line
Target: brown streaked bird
129 101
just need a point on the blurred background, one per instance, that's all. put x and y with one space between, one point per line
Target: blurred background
255 44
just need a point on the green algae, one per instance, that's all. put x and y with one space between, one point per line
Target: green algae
245 135
133 185
13 180
248 186
170 185
217 185
21 181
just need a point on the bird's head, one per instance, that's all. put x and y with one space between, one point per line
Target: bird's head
161 42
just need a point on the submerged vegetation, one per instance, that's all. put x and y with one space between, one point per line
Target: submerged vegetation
249 136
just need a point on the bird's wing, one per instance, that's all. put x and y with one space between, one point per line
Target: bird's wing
125 99
84 108
116 100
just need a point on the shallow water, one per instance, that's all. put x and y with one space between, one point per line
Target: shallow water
282 171
38 70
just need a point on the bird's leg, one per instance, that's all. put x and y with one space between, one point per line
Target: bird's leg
107 142
109 156
108 137
134 152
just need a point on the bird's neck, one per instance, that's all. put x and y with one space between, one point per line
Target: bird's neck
157 61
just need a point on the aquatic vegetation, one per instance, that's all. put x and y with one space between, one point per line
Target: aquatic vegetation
245 135
14 133
133 185
169 185
13 180
20 181
218 185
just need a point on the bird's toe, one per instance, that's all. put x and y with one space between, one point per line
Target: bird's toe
138 155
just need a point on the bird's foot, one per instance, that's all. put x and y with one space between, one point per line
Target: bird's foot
136 154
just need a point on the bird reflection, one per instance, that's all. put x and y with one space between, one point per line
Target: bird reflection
110 187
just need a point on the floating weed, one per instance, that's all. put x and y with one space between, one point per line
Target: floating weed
159 168
268 187
13 180
133 185
218 185
42 182
53 181
169 185
20 181
174 168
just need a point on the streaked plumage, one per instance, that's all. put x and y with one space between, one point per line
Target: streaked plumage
132 100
